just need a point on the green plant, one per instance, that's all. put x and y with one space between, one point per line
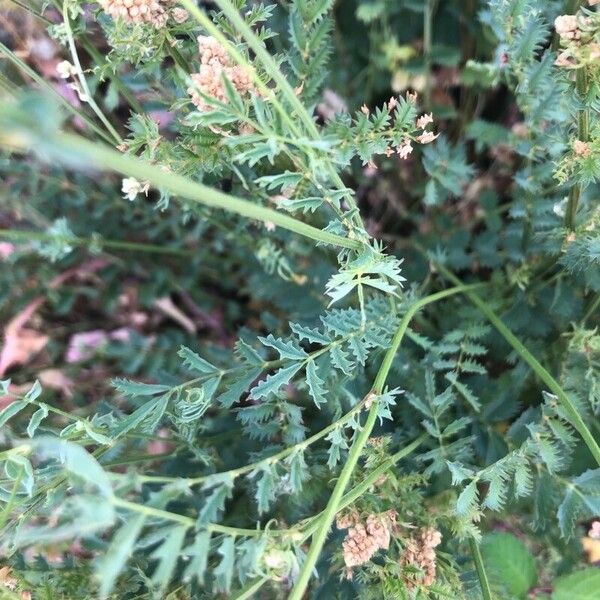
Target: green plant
348 424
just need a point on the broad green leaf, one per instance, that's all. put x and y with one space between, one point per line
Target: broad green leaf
509 564
76 460
581 585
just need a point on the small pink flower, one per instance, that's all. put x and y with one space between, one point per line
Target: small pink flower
404 149
427 137
6 249
424 120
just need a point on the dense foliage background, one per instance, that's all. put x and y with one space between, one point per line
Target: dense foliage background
304 307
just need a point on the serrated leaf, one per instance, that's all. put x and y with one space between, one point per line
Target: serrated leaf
274 382
315 384
38 416
286 349
229 397
467 500
195 362
214 503
112 562
198 553
340 360
265 488
13 409
224 570
136 388
313 335
167 555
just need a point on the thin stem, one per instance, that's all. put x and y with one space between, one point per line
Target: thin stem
427 25
102 156
52 92
233 473
486 592
272 68
568 406
593 307
250 589
82 80
357 447
14 234
358 490
581 84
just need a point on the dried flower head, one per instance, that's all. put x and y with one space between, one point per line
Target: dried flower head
216 64
358 546
65 69
362 541
404 149
180 15
131 187
581 148
424 120
137 11
346 520
427 137
566 26
420 553
565 59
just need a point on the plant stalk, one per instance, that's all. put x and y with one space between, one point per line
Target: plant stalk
486 592
581 83
101 156
357 447
568 406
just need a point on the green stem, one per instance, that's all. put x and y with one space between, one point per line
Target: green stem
338 491
101 156
581 83
233 473
52 92
250 589
570 409
427 25
481 574
100 61
272 68
13 234
593 307
357 491
89 98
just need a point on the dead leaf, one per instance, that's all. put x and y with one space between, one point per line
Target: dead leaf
166 306
21 344
55 379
